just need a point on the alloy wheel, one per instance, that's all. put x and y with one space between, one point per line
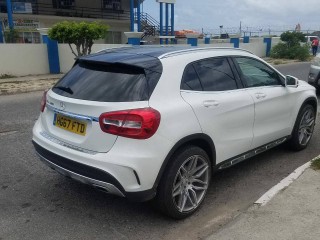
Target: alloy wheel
191 183
306 127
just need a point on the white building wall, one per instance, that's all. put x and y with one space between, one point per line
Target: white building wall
257 48
23 59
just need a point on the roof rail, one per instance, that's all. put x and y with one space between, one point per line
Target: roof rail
169 54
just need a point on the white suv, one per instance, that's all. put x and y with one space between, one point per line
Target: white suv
151 122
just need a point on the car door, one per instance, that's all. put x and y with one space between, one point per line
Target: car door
274 103
224 109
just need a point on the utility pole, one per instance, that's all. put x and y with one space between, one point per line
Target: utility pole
240 29
1 34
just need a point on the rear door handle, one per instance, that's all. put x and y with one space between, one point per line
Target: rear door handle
260 95
210 103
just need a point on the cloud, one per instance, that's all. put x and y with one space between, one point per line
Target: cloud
210 14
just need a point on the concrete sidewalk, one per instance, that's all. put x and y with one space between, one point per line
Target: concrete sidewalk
294 213
28 83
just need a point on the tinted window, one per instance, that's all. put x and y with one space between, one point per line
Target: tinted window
215 74
256 73
190 79
104 83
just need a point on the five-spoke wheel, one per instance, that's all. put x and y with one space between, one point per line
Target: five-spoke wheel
303 129
191 183
185 182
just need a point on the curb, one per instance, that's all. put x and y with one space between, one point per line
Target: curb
284 183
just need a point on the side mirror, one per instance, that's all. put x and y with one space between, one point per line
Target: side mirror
292 81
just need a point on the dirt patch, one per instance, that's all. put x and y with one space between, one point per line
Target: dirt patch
26 86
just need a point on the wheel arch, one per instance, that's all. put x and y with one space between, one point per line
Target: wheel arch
294 143
312 101
199 139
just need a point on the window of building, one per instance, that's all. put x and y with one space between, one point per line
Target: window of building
3 4
63 4
28 37
111 4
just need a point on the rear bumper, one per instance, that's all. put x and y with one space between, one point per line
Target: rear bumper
89 175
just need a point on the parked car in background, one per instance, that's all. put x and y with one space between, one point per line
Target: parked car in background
314 73
309 39
156 122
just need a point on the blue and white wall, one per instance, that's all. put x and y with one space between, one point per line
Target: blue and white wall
26 59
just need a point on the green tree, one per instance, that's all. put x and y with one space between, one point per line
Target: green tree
292 38
81 34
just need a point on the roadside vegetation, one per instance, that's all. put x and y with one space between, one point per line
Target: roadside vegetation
293 46
315 164
11 36
81 34
5 76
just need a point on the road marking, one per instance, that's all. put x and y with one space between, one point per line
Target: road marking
7 133
265 198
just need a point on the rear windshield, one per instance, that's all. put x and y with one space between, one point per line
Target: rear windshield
106 83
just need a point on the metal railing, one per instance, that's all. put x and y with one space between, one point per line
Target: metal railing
81 12
150 26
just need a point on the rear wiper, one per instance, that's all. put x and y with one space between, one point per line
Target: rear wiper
65 89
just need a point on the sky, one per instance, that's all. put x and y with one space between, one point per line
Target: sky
209 15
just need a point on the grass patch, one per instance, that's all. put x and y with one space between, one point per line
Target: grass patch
315 164
5 76
277 62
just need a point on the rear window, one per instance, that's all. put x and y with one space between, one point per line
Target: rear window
106 82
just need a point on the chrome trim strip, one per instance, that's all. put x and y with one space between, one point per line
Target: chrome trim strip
73 115
252 153
64 144
110 188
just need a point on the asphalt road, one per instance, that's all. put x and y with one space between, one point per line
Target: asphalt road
299 70
37 203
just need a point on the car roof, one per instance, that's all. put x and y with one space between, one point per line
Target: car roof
146 57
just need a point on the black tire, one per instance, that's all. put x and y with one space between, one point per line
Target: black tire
180 186
303 128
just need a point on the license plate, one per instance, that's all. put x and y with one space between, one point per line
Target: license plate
70 124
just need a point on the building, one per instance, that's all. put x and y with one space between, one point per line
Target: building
29 15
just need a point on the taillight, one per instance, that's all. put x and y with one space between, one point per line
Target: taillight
136 123
43 101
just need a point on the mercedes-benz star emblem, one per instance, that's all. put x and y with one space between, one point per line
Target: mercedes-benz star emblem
62 105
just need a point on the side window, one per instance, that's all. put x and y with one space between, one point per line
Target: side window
190 79
215 74
256 74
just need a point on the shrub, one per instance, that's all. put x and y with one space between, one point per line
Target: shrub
291 48
315 164
279 51
11 36
300 52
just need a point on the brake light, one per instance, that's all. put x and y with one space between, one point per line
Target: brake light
136 123
43 101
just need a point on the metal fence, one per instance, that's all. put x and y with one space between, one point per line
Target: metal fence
74 11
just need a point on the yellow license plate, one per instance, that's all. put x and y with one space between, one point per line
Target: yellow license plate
70 124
